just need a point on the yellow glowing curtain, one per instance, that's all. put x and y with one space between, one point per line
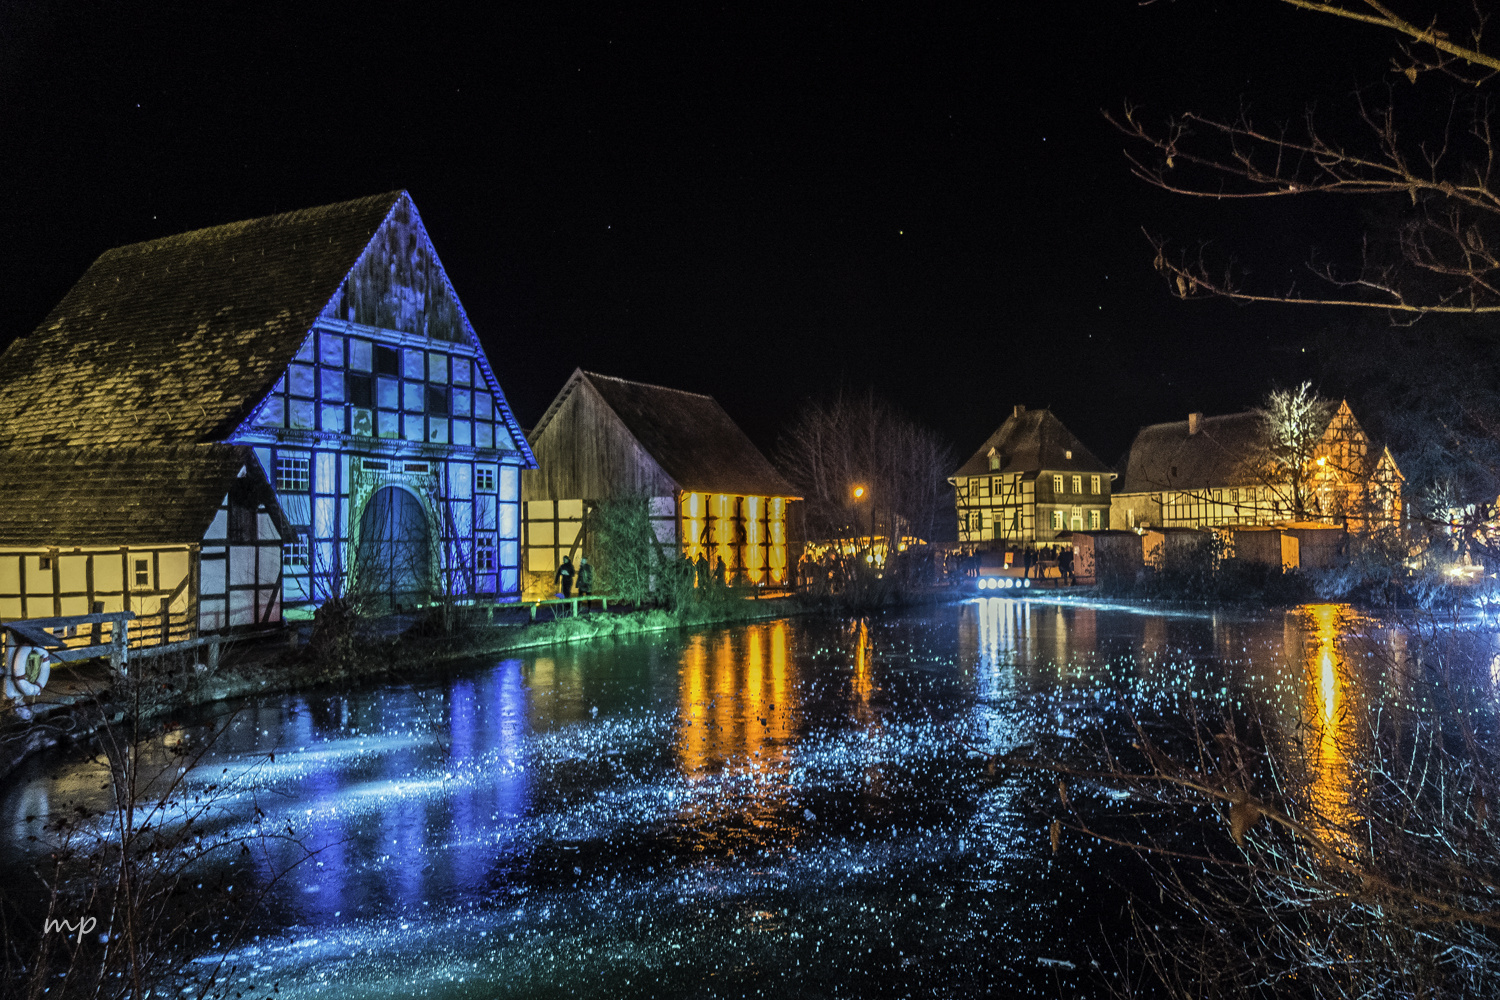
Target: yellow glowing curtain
755 555
776 534
692 525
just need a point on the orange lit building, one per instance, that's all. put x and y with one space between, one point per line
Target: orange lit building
1212 471
712 492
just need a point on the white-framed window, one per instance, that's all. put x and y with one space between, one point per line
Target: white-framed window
1057 483
484 479
1077 484
1057 519
294 553
1094 484
484 553
143 572
293 473
1093 520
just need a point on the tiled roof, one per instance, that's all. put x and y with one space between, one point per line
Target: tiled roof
1222 453
1032 441
690 436
118 496
174 340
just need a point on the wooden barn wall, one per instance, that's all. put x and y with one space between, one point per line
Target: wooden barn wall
586 452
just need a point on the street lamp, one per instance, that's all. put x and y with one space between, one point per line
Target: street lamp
859 491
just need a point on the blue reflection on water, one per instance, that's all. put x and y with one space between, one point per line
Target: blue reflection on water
793 805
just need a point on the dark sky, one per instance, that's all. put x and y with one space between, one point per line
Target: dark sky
751 201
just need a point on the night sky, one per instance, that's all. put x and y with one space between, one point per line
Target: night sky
754 202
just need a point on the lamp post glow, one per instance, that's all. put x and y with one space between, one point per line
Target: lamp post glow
859 492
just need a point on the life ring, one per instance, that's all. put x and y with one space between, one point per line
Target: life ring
19 680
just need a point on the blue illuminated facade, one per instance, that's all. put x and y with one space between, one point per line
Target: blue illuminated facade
390 444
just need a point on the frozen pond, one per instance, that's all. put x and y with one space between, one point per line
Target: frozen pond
792 808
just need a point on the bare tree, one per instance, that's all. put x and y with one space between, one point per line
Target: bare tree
1296 421
1424 158
873 483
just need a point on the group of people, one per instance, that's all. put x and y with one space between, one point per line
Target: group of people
567 574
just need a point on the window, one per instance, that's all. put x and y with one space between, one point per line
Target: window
994 459
1093 520
1078 484
484 553
294 553
1234 496
292 473
361 391
1094 484
44 562
484 480
143 572
1057 518
1057 484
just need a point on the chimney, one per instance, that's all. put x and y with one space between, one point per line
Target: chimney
1195 423
1018 411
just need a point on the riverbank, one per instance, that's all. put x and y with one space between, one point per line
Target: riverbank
83 698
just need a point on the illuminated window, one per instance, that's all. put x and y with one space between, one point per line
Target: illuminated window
1093 520
294 553
1057 484
1057 520
1094 484
484 553
484 480
292 473
1078 484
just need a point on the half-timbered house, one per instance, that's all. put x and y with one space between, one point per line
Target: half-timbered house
188 538
1210 471
331 343
1030 481
712 492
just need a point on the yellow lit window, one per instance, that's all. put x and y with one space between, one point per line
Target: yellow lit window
776 536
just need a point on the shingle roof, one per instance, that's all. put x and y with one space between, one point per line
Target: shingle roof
1222 453
689 435
1030 441
174 340
118 496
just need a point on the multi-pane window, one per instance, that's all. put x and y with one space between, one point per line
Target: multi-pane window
1077 484
1057 484
292 473
484 553
1093 520
143 572
484 479
1094 485
1057 520
294 553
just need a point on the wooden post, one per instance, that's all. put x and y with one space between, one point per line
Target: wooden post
119 646
213 655
166 620
603 604
575 607
534 606
95 608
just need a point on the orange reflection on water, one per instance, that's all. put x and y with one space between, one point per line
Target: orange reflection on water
737 705
1328 721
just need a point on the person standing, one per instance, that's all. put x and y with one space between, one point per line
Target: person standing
585 576
719 572
564 577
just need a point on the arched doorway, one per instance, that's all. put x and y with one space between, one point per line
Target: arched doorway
395 551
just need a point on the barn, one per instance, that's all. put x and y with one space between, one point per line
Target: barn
327 352
712 492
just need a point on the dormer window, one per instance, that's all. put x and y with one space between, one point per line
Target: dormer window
994 460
